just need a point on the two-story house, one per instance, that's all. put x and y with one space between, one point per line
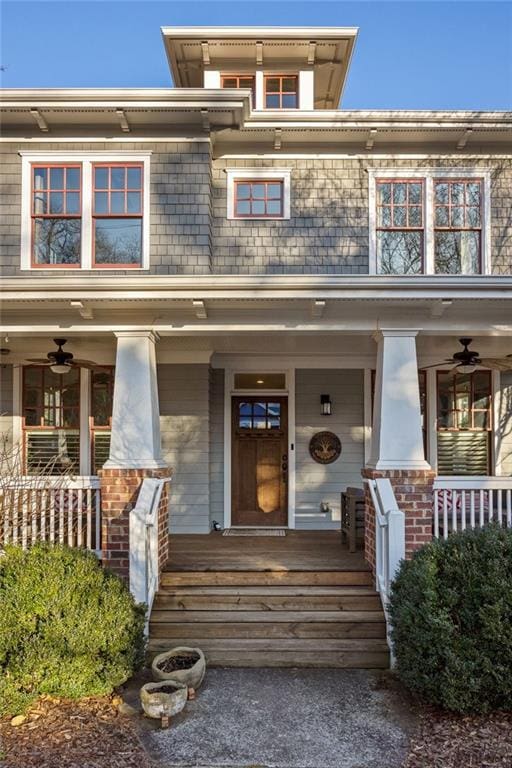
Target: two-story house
241 264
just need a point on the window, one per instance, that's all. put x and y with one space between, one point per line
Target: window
102 394
432 221
240 81
255 415
464 423
259 193
56 215
260 381
458 226
259 198
51 420
85 210
400 227
281 91
117 214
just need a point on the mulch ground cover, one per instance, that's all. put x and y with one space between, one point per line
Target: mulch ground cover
456 741
92 734
73 734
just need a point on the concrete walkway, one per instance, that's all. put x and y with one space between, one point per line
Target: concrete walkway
287 718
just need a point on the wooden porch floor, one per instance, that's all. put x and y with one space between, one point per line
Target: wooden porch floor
297 551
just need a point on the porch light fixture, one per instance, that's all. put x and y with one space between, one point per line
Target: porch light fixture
260 381
325 405
60 368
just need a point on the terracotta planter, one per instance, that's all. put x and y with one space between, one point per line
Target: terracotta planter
192 677
163 704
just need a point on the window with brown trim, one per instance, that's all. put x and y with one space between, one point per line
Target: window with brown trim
281 91
400 226
240 81
464 422
56 215
117 211
458 226
258 199
100 421
51 420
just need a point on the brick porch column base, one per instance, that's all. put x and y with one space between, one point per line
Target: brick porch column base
119 491
414 494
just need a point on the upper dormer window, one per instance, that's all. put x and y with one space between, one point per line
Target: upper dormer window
281 91
240 81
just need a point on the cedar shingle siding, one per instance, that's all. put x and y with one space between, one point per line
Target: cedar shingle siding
190 233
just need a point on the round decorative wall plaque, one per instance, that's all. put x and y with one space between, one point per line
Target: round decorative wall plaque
325 447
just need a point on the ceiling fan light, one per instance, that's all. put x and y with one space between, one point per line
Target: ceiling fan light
60 368
466 368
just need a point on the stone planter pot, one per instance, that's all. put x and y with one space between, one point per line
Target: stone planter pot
162 705
192 677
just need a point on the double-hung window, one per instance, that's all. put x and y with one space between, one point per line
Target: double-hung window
400 234
56 220
433 221
458 226
85 211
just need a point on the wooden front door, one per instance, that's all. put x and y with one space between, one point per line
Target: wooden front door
259 461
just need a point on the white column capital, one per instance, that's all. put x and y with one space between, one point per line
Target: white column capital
137 334
382 333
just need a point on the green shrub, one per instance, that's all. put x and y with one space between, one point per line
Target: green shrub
67 627
451 615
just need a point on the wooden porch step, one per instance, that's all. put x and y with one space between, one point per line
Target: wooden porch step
268 599
266 578
348 653
269 631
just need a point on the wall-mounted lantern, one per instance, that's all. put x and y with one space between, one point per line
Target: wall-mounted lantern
325 405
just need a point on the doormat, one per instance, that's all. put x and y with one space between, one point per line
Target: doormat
254 532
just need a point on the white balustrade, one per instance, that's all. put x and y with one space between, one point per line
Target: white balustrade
58 509
389 541
144 542
471 502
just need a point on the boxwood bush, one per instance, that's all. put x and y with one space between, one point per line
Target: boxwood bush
67 627
451 615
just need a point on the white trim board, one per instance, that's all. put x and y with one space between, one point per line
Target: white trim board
429 175
236 174
229 392
86 159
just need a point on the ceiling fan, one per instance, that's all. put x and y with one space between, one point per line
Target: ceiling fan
60 361
468 359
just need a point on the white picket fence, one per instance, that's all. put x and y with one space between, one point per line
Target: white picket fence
471 502
65 510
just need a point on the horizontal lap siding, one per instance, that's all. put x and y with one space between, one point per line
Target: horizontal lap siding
184 423
6 406
217 445
315 482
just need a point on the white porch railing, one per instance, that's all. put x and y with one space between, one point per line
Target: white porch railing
471 502
144 542
58 509
389 541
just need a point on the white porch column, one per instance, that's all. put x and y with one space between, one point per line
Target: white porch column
397 437
135 439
